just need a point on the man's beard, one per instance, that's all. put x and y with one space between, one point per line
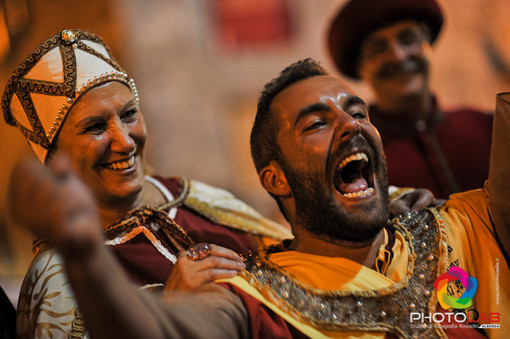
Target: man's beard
322 215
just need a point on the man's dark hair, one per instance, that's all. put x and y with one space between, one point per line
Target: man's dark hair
264 147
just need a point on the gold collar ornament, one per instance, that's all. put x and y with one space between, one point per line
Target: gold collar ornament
383 310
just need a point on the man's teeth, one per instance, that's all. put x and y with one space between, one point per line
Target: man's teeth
121 165
366 192
357 156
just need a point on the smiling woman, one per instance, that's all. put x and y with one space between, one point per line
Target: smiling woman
77 106
109 130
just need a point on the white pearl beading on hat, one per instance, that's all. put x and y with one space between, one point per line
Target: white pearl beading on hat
104 77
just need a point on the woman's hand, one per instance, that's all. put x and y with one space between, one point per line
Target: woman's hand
189 274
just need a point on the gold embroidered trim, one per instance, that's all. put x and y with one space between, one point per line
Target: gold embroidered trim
77 327
138 217
15 86
184 183
249 222
218 216
365 310
147 215
149 235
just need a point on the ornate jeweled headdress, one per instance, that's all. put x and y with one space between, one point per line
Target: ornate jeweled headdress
50 80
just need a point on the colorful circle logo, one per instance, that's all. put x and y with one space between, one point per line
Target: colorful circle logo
446 300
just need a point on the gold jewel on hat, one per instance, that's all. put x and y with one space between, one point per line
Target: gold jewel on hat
43 88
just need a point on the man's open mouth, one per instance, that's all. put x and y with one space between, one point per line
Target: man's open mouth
354 176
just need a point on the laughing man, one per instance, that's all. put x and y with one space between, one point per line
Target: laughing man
349 272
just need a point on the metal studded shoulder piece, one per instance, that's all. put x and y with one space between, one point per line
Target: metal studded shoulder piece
383 310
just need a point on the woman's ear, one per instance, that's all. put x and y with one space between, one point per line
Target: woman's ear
274 181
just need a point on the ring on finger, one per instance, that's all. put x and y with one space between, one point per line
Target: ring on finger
199 251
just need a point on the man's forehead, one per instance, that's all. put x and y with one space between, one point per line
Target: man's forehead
312 89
